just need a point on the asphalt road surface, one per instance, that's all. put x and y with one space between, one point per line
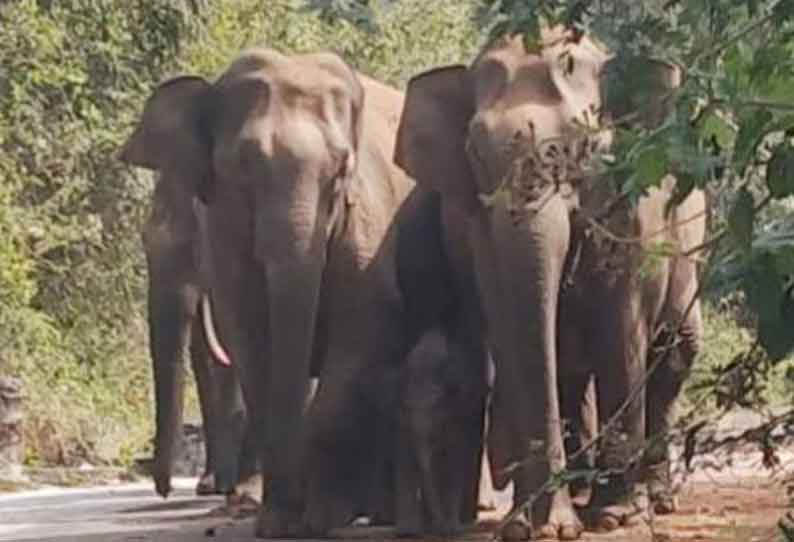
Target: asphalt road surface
735 503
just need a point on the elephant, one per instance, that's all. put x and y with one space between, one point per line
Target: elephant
179 314
511 144
292 156
436 399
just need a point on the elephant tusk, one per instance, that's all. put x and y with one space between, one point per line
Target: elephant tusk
216 348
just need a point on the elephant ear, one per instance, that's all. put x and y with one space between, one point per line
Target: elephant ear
172 134
358 98
431 138
639 90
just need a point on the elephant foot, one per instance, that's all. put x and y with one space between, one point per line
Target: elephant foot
409 522
236 507
664 504
660 489
561 522
446 530
273 523
162 483
206 485
242 505
608 518
251 488
516 530
328 512
408 529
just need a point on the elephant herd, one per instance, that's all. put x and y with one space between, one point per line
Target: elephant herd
449 266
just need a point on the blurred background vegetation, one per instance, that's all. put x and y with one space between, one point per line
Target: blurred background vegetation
73 76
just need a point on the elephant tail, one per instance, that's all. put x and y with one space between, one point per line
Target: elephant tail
215 346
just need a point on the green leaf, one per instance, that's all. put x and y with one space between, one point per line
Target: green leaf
753 126
651 166
714 125
780 171
740 219
769 293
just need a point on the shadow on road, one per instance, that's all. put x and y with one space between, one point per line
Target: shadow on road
170 506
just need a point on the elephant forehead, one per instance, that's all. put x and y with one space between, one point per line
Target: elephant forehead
265 93
310 75
278 116
565 75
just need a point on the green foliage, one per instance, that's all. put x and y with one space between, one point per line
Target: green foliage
730 371
411 36
72 75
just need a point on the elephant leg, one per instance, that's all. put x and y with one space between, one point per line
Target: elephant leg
577 404
465 336
407 505
223 409
249 456
456 489
471 450
171 308
240 313
340 461
664 387
200 362
623 344
468 411
471 446
431 491
380 498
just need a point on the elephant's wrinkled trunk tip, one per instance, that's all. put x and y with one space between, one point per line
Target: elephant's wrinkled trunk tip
216 348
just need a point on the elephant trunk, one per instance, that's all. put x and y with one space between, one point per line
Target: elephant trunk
170 317
533 256
294 275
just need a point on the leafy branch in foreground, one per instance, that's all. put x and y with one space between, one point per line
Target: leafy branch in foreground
730 128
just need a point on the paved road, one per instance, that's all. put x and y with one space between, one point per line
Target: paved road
128 513
134 513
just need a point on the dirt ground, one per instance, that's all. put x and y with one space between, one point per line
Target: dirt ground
746 512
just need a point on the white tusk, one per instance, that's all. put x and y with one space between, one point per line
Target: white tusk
216 348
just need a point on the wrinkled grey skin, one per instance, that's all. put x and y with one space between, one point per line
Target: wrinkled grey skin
437 398
172 243
559 300
292 156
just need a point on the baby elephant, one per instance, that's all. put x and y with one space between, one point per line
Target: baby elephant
437 399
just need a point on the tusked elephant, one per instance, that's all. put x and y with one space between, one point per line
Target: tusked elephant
292 155
510 144
178 316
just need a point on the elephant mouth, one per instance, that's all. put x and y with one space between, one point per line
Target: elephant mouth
538 171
